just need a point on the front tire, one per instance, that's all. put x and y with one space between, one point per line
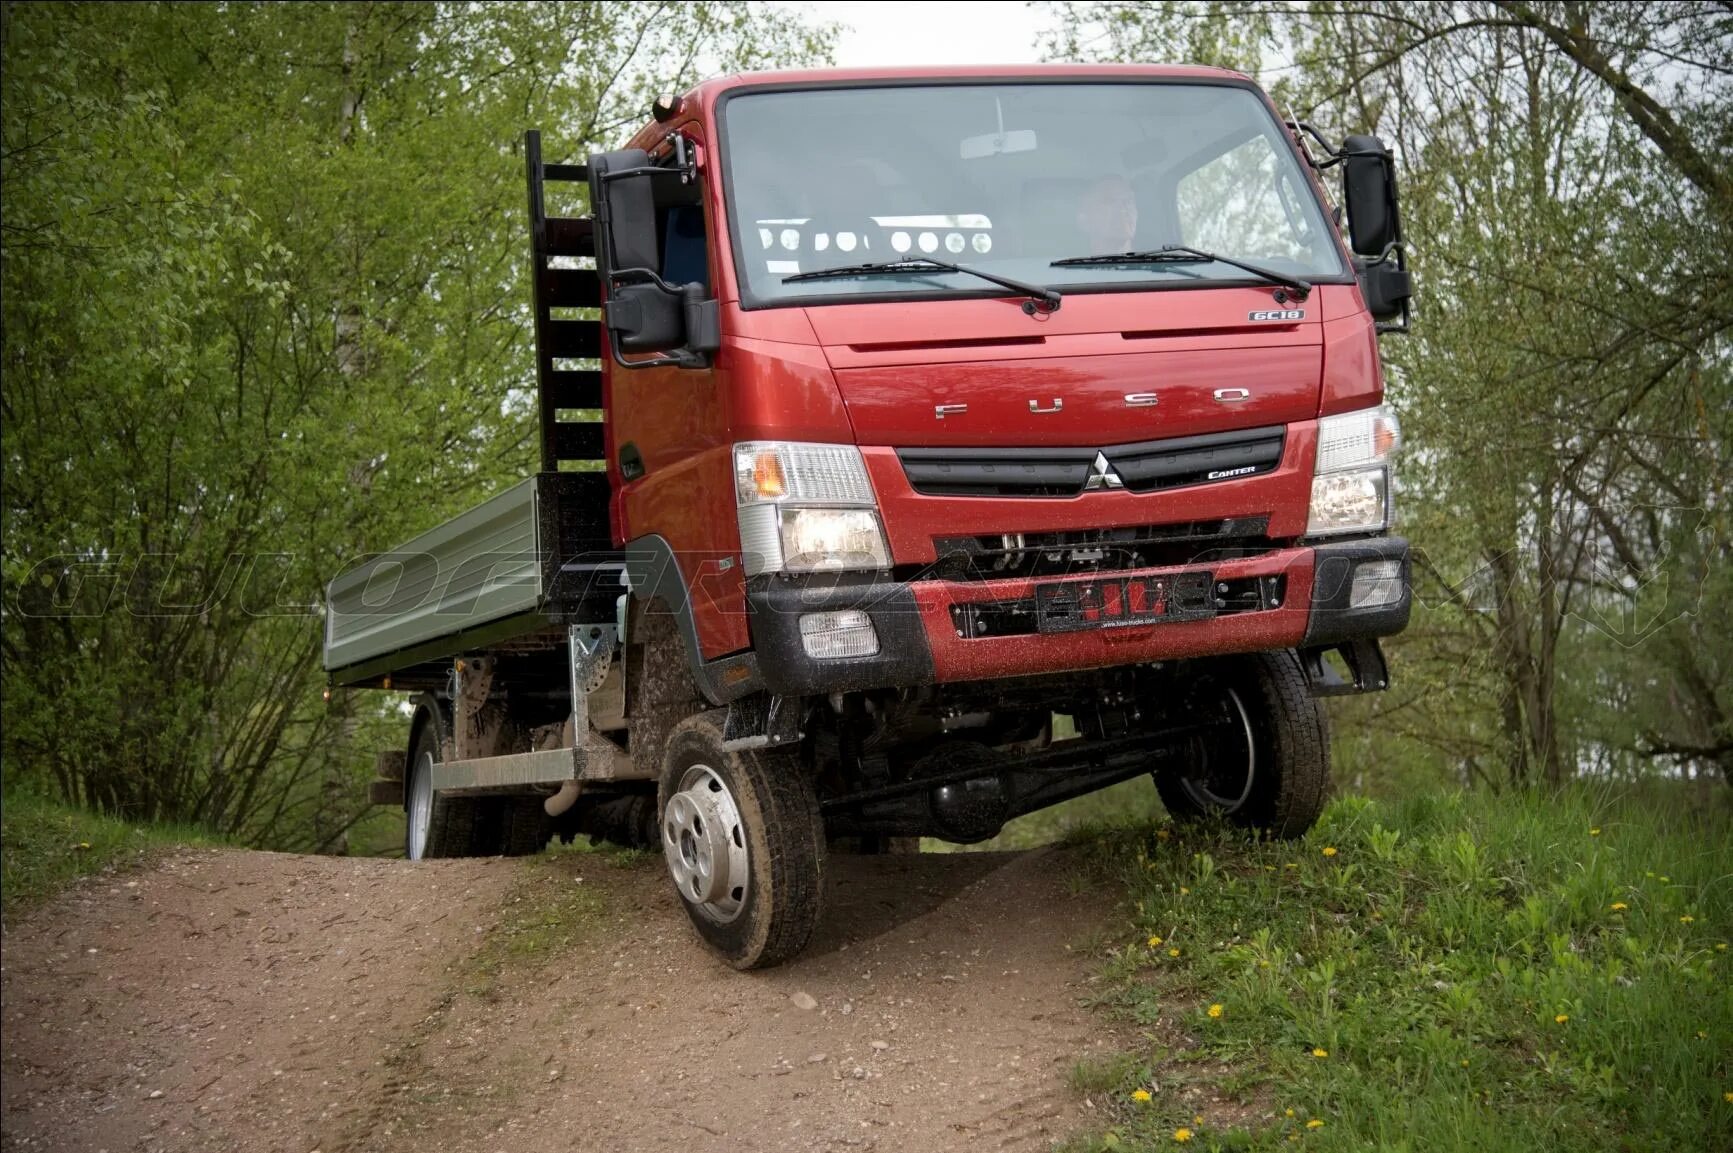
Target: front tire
1266 764
744 842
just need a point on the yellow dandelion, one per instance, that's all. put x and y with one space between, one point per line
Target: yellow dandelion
1561 1018
1173 952
1465 1062
1687 919
1329 850
1155 942
1183 890
1288 1112
1702 1036
1182 1134
1727 1097
1314 1123
1618 906
82 845
1215 1010
1140 1095
1320 1053
1594 832
1721 946
1269 868
1197 1119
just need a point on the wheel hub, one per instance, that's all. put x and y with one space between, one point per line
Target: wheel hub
1222 773
705 845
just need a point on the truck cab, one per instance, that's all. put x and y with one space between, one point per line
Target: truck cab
969 440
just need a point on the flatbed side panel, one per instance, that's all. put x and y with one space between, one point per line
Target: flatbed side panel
480 566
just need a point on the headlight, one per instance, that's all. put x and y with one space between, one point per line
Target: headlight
1349 502
1351 489
805 507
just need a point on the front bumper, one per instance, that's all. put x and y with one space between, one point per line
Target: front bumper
921 642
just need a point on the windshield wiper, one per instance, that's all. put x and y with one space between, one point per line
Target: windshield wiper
1180 254
1039 295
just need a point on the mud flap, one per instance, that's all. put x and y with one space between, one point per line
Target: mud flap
762 721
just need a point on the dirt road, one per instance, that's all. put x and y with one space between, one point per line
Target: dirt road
255 1002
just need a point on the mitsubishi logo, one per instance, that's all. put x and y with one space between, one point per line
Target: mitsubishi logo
1101 475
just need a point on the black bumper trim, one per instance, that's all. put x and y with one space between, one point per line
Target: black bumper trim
776 605
1331 621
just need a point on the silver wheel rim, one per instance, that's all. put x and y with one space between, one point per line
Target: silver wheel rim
1198 787
420 806
705 845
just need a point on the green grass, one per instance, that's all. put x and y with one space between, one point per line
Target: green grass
1455 975
45 845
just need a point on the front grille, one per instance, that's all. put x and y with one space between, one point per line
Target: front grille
1146 466
1101 549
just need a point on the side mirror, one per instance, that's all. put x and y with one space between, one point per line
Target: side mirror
1375 230
1369 188
645 317
641 314
624 203
653 316
642 311
1386 289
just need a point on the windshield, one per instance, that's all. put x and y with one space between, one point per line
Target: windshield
1009 178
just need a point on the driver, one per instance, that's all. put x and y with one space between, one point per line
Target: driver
1107 216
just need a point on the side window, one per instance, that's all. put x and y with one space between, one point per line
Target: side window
1238 205
685 253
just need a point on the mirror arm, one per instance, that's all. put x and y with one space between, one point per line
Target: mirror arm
1396 249
1334 152
684 170
639 276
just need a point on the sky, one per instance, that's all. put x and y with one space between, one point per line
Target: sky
890 33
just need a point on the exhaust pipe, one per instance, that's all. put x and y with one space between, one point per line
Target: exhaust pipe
564 799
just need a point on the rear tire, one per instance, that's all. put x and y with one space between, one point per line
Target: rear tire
744 842
1268 767
436 825
524 826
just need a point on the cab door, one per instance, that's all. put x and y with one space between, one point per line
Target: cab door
670 436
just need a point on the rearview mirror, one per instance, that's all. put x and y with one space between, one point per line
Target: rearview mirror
998 143
1369 188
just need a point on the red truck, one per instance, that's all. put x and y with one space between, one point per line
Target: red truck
920 448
